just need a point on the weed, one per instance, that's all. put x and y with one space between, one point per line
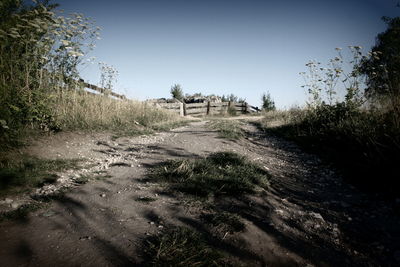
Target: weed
232 111
222 173
227 129
181 247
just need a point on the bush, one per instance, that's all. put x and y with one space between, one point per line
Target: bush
268 103
177 92
365 145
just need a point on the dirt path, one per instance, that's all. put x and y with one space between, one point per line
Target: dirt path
308 217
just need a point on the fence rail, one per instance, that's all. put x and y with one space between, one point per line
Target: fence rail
102 91
207 108
184 109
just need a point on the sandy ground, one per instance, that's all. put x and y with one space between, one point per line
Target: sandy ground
309 216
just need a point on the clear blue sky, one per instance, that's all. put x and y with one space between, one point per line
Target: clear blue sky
242 47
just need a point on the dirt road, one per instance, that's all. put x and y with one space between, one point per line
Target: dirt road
308 216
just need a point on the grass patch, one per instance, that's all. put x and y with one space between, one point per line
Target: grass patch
227 129
82 179
22 212
181 247
222 173
77 111
28 172
145 199
224 222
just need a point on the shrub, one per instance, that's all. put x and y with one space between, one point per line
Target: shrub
177 92
268 103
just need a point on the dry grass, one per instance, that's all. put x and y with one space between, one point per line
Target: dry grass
79 111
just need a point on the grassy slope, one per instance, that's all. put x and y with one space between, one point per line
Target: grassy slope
364 145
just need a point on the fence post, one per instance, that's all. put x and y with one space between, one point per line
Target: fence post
181 110
245 107
208 108
184 109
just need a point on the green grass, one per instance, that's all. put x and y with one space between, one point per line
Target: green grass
363 144
227 129
19 175
181 247
22 212
222 173
224 222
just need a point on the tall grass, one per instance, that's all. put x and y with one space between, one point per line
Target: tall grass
77 110
39 57
364 144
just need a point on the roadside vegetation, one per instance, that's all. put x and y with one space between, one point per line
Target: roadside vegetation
41 52
221 173
228 129
359 132
181 247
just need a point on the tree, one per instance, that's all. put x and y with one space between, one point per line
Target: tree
382 66
268 103
232 98
177 92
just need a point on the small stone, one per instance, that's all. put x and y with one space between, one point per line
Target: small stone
152 223
119 192
15 205
103 195
279 211
8 200
160 226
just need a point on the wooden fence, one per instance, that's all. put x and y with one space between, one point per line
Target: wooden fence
207 108
100 90
184 109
